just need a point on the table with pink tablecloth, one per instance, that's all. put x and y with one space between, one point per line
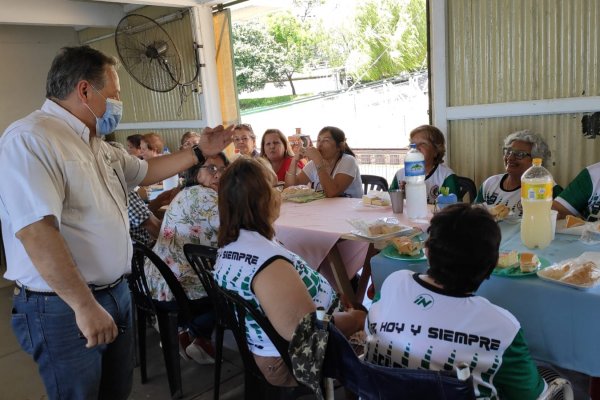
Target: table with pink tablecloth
319 232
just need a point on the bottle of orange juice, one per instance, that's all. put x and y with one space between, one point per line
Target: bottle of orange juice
536 199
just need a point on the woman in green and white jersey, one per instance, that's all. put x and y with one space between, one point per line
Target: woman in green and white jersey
435 321
520 148
430 141
582 196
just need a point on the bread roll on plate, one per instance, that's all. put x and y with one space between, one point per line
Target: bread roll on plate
405 245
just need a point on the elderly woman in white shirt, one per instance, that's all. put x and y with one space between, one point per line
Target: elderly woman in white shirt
332 166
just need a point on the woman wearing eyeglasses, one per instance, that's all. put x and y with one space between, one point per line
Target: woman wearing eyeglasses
430 141
519 150
244 140
192 217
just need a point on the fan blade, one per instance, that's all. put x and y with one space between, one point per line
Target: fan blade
148 53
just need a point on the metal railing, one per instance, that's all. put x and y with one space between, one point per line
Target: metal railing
381 162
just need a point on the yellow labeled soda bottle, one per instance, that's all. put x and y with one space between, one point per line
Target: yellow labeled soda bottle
536 199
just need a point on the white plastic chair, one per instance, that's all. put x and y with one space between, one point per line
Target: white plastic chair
559 388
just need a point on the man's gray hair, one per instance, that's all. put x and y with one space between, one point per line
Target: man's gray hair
539 148
73 64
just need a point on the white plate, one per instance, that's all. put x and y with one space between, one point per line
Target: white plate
580 287
403 230
587 256
361 204
576 230
512 219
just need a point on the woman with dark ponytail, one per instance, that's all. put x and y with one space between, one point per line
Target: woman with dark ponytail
332 166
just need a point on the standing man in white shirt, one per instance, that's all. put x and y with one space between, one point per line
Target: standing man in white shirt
63 206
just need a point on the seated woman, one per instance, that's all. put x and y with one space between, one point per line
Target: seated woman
276 280
134 143
430 141
244 140
581 197
275 148
151 146
193 217
332 166
424 320
188 140
520 148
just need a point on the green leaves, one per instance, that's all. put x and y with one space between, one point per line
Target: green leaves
392 38
383 39
258 58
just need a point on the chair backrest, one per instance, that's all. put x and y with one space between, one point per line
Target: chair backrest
202 259
139 283
237 309
466 185
370 381
374 182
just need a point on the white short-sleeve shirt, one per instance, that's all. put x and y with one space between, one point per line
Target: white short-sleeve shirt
346 165
52 167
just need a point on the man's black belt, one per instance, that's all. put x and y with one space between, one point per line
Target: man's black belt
93 287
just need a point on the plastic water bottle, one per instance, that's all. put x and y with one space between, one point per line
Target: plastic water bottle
416 192
536 199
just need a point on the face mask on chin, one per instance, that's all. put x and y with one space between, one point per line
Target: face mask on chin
111 117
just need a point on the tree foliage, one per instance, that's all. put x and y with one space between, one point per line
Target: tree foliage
258 58
385 39
299 40
391 38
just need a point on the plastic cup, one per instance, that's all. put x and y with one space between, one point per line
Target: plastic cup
397 199
553 217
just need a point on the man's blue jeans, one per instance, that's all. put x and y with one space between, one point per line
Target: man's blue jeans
45 328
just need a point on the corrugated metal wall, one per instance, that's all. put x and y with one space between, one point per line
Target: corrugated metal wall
519 50
142 104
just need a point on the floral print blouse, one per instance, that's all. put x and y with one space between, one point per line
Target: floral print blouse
192 217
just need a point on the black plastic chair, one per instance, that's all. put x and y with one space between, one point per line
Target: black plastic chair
374 182
202 259
235 309
168 320
466 185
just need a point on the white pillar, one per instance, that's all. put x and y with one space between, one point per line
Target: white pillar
202 24
439 68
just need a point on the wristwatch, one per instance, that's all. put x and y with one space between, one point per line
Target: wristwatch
199 154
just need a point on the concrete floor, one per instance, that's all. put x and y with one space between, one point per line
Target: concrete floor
19 379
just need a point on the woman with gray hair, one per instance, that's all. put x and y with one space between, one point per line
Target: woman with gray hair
244 140
520 148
